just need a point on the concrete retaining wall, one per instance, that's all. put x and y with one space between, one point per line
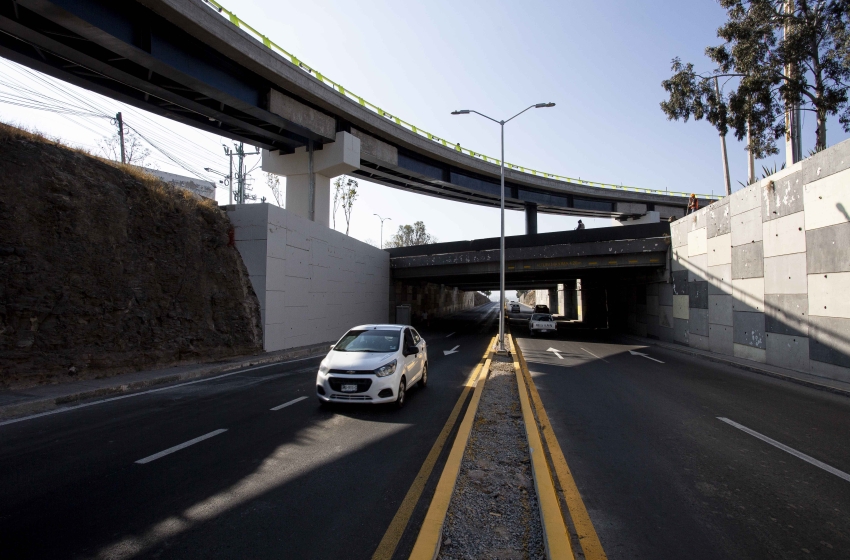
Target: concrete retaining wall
764 274
313 283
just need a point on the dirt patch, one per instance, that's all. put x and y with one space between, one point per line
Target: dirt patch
105 269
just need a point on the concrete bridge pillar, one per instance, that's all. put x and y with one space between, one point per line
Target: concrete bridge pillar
553 301
308 175
530 218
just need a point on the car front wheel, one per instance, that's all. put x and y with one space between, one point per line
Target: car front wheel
402 393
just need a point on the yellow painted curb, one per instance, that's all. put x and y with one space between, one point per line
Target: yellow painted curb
428 542
394 532
588 539
556 540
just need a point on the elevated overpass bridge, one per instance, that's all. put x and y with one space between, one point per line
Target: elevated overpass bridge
197 63
608 261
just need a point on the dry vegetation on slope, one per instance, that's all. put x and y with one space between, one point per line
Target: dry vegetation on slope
106 269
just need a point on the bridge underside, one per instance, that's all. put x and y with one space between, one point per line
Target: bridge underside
182 60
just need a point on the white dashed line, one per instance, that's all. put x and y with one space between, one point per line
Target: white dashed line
284 405
183 445
785 448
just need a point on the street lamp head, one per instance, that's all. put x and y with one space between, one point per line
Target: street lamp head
461 112
207 169
542 105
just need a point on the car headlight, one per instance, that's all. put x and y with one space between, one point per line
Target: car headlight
323 368
386 370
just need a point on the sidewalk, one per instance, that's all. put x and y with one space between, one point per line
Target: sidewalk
814 381
47 397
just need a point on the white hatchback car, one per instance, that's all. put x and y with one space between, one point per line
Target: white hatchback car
374 364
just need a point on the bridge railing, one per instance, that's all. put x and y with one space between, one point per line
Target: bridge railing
234 19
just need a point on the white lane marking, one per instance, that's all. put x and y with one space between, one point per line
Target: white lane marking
452 351
284 405
75 407
557 353
183 445
448 335
633 353
594 355
785 448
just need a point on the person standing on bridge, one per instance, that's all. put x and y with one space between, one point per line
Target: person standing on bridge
693 204
580 225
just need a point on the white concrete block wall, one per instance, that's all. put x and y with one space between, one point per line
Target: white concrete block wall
313 283
776 258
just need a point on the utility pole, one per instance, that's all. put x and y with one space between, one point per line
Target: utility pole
723 147
241 175
751 160
120 120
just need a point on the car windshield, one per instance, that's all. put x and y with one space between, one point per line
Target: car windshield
369 341
541 317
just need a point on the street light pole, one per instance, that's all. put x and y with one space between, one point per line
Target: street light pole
382 229
502 212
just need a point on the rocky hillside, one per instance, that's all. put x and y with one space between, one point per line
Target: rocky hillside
105 269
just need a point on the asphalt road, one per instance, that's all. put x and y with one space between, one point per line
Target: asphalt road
664 478
296 482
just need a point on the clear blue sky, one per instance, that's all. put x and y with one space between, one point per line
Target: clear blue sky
602 63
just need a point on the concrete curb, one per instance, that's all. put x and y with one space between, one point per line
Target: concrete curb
556 540
717 358
45 404
430 538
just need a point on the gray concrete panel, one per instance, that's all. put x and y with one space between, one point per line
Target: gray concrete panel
747 227
829 340
785 274
698 292
680 283
652 305
653 330
787 314
720 310
698 341
783 198
748 261
679 232
748 329
697 220
830 371
665 294
698 322
788 351
828 162
719 218
828 249
720 279
745 199
720 339
665 316
666 334
680 331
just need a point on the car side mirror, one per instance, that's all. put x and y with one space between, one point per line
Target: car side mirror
332 346
412 350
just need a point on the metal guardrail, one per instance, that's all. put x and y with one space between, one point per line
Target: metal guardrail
234 19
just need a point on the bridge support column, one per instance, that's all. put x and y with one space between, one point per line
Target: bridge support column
530 218
553 301
336 158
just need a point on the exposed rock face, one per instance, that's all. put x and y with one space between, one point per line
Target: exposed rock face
104 269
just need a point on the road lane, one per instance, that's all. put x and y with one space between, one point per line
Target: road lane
662 477
296 482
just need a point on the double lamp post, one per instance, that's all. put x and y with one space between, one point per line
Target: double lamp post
502 124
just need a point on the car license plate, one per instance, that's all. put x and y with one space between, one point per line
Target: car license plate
349 388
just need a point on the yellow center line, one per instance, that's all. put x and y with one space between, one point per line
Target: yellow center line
394 532
588 539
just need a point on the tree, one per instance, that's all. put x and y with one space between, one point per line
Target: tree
783 54
408 235
345 193
273 182
135 153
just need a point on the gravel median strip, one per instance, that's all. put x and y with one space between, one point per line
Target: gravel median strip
494 512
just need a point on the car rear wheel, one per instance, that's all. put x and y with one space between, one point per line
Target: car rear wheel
402 393
423 381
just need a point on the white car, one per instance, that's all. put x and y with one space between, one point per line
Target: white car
373 364
541 323
515 308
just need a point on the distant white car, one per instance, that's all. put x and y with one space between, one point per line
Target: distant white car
373 364
541 323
